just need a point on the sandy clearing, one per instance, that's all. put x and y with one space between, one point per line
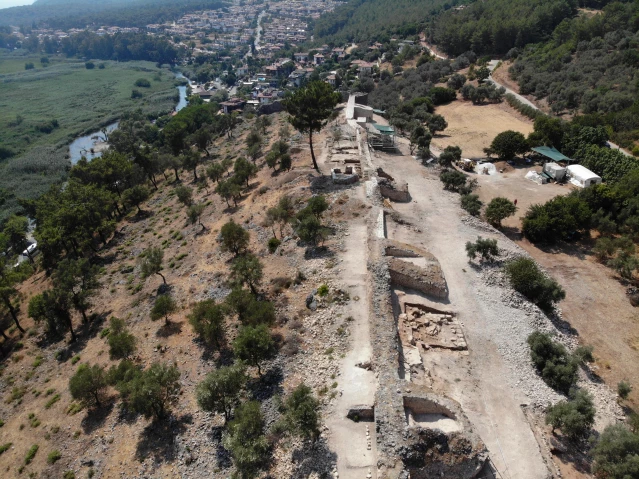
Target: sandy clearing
473 127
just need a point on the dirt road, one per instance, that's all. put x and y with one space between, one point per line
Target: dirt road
486 391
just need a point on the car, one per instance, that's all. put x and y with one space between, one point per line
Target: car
30 249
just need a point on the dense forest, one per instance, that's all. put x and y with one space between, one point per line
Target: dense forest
362 20
591 66
496 26
75 14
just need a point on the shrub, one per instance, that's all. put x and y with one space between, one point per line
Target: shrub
5 447
121 342
453 180
88 384
322 290
254 345
526 278
472 204
249 310
29 66
163 307
68 475
302 412
54 456
207 320
558 219
450 155
234 238
149 392
33 450
574 417
89 65
221 389
556 366
509 144
486 248
136 94
623 389
246 441
143 83
498 210
273 244
615 454
583 354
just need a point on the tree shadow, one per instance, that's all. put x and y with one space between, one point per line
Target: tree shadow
140 216
313 458
318 252
97 416
572 453
157 440
169 329
268 385
222 455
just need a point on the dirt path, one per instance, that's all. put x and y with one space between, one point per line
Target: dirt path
349 439
485 391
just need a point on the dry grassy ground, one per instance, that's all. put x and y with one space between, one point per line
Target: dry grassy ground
473 127
119 444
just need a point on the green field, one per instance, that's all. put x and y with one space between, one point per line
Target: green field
78 99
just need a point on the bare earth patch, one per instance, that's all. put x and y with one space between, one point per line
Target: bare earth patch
473 127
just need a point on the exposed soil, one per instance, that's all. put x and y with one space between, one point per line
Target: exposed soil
473 127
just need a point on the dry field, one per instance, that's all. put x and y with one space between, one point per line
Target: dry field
112 442
473 127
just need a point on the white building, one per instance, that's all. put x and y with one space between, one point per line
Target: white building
581 176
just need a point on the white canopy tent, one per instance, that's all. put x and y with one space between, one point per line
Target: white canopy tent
582 176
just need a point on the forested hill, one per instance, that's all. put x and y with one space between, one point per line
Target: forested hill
79 13
496 26
362 20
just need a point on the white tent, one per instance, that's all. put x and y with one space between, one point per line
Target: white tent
582 176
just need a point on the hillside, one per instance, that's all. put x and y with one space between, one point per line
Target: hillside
78 14
362 20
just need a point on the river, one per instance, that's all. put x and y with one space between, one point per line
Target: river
92 145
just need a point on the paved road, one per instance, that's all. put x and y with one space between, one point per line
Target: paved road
491 66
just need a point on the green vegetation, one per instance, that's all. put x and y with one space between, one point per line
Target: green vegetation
302 412
624 389
78 100
207 319
615 454
150 392
54 456
508 144
361 20
498 210
88 384
163 307
221 389
310 107
234 238
246 441
574 417
151 262
5 447
526 278
33 450
486 248
246 270
557 367
107 13
122 343
496 26
472 204
254 344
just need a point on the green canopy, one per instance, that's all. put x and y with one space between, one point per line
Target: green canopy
552 153
385 130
